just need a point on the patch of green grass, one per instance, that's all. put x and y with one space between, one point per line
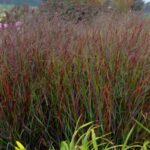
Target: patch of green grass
5 7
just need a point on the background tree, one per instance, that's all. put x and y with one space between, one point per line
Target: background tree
147 7
123 5
138 5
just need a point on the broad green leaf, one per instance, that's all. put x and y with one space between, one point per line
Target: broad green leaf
19 146
64 146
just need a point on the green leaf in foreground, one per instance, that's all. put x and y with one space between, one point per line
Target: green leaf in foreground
127 138
64 146
19 146
142 126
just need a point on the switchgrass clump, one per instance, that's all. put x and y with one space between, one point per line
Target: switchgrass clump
52 72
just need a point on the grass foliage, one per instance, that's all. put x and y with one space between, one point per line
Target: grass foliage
52 72
88 140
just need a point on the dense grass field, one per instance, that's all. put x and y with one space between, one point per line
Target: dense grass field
57 76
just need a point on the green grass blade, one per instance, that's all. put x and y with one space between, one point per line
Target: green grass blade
142 126
94 142
127 138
